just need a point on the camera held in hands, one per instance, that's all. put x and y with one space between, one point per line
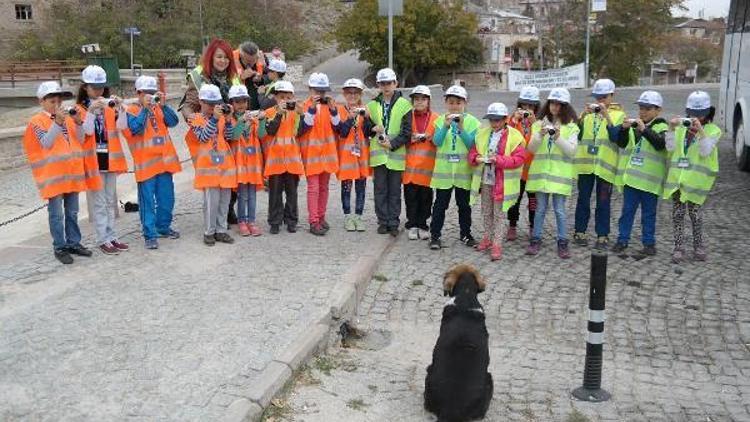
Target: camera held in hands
324 100
71 111
421 137
456 118
360 111
112 103
156 99
687 121
633 122
551 131
225 109
526 114
381 138
291 105
595 108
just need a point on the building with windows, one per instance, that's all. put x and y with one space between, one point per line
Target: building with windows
17 16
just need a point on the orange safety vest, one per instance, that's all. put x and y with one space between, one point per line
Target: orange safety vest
90 163
117 161
282 152
260 64
420 156
58 169
529 156
213 160
318 145
247 155
153 151
352 167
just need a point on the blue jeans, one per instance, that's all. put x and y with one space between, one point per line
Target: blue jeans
359 198
63 220
586 184
542 202
156 203
246 194
632 198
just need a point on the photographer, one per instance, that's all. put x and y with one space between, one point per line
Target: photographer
250 65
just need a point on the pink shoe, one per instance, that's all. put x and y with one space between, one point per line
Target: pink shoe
484 244
254 229
244 229
496 253
512 234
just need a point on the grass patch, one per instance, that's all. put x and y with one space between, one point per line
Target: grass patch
380 277
576 416
417 283
372 388
357 404
325 364
277 411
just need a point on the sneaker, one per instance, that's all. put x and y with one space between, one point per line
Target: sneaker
275 229
119 245
580 239
108 249
619 247
291 228
244 229
254 229
699 254
394 231
317 229
172 234
224 238
425 234
602 243
562 249
469 241
359 224
435 244
324 225
382 229
79 250
534 247
209 239
512 234
63 256
678 256
350 224
413 233
484 244
648 250
496 252
152 244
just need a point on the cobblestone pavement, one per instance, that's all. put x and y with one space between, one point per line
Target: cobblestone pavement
676 337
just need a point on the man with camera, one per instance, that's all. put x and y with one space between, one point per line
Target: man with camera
251 67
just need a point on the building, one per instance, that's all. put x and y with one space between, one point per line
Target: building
16 17
710 30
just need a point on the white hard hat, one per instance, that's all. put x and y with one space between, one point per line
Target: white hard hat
353 83
529 94
319 81
603 87
283 86
456 91
146 83
385 75
698 103
560 95
210 93
650 98
95 76
421 90
51 87
278 66
238 91
496 111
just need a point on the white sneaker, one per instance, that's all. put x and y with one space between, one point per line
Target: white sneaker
424 234
413 233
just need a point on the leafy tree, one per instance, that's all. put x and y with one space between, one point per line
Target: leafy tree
430 35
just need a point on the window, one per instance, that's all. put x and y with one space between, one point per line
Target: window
23 12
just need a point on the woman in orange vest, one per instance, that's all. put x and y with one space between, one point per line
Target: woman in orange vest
53 142
154 160
283 159
354 153
215 171
319 152
103 119
420 160
522 119
248 158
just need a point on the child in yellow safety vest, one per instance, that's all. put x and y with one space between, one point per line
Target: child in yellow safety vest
497 155
693 167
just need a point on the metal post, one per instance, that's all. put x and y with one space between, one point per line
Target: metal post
390 34
131 48
588 40
200 16
592 373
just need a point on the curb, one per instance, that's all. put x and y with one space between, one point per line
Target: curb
281 369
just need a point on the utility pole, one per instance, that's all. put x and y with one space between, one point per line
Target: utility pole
390 34
588 40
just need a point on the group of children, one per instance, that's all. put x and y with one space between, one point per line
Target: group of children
539 149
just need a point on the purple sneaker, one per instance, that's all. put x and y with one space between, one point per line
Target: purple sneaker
534 247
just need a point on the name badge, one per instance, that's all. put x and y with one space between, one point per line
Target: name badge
454 158
217 158
593 149
102 148
158 140
249 150
356 151
683 163
636 160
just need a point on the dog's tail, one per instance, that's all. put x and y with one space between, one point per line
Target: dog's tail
455 273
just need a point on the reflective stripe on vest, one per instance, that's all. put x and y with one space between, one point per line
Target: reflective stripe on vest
393 160
649 173
281 152
604 163
445 174
695 182
420 156
151 158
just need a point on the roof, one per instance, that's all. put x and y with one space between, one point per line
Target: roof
498 13
703 23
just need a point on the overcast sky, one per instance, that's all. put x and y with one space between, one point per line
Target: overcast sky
713 8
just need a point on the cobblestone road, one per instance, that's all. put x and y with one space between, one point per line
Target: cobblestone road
676 337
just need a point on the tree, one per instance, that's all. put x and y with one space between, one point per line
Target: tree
429 36
690 50
622 39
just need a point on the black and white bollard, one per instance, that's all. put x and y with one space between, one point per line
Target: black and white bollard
592 373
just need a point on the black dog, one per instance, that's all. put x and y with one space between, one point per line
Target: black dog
458 387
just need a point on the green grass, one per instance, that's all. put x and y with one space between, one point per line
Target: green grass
325 364
357 404
379 277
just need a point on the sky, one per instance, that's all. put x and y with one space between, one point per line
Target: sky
713 8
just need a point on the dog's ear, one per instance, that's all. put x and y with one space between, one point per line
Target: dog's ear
452 276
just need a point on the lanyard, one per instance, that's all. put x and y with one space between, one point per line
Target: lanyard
597 124
689 138
386 113
454 132
426 123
